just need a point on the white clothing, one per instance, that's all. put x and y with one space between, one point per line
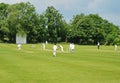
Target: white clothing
54 50
115 47
72 47
46 42
61 48
19 46
98 44
43 46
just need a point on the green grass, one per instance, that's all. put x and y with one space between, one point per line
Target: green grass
34 65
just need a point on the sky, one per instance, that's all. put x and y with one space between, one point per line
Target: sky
107 9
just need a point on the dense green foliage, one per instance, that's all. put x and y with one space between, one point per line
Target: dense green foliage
91 29
3 22
34 65
22 18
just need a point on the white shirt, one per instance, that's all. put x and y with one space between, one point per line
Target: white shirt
61 48
54 48
19 45
72 46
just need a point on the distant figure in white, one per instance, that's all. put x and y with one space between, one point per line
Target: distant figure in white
71 47
61 47
19 46
46 42
54 50
115 46
43 46
98 45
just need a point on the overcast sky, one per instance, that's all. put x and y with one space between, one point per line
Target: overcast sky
107 9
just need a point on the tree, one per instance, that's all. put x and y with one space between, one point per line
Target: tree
82 29
54 24
20 19
112 33
3 22
91 29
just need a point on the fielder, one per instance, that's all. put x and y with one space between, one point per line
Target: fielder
61 47
19 46
54 50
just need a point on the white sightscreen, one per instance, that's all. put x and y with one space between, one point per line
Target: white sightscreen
21 39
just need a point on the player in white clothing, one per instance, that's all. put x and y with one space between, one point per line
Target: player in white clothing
54 50
19 46
72 47
61 47
115 47
43 46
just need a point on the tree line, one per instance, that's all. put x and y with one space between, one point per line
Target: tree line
22 18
